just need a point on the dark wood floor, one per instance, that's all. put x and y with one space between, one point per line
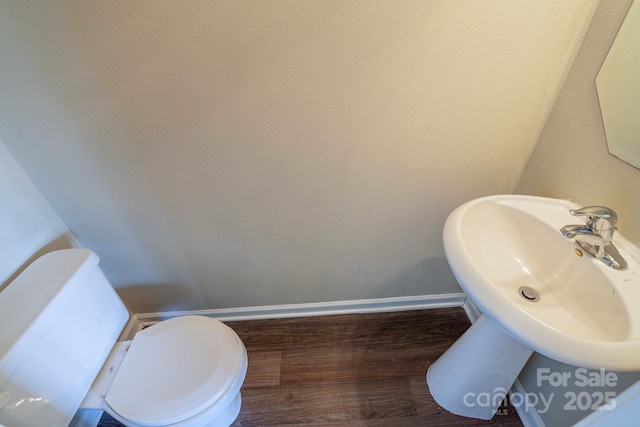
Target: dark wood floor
349 370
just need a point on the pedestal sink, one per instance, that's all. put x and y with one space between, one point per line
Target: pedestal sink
537 291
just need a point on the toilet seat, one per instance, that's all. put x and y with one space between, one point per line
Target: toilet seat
177 369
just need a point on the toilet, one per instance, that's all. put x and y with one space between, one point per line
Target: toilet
59 352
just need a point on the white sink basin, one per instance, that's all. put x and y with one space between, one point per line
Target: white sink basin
586 313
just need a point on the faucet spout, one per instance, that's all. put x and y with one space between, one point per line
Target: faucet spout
592 243
570 231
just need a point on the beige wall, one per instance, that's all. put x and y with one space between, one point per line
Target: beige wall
29 227
236 153
570 159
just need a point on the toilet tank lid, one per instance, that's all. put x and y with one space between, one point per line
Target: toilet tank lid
35 298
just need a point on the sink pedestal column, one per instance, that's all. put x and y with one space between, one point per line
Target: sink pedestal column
474 375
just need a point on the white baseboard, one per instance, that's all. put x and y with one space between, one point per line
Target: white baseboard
528 414
473 313
378 305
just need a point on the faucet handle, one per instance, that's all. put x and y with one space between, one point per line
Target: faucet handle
601 219
596 211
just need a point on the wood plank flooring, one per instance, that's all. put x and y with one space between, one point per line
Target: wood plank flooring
349 371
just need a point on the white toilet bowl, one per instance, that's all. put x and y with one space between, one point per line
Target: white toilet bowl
182 372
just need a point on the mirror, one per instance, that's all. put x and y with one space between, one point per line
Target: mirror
618 86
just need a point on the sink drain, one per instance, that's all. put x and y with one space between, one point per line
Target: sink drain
529 294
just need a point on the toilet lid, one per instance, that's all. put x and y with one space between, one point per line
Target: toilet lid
176 369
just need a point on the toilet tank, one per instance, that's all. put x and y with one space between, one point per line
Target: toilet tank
59 320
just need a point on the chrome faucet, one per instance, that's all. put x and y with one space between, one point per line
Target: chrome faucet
595 236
